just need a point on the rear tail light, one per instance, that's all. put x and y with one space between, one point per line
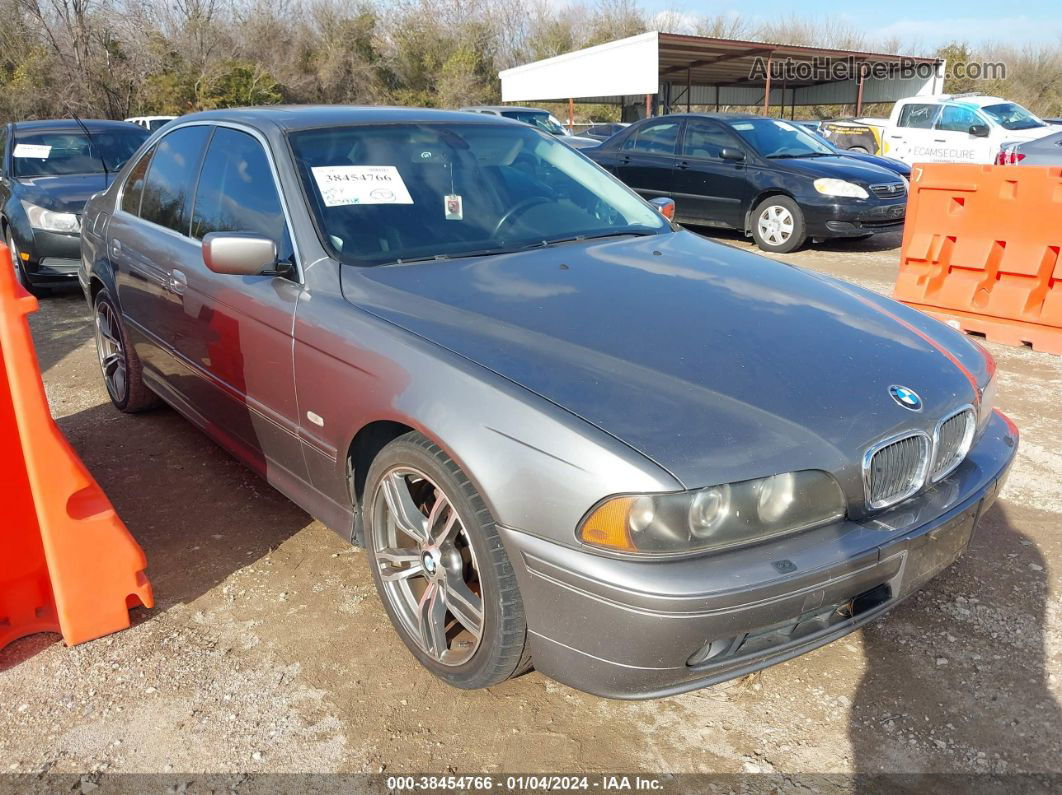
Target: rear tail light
1005 158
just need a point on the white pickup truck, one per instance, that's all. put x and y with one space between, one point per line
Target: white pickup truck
957 128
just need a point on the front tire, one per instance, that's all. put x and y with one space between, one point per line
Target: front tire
778 225
121 368
440 568
20 270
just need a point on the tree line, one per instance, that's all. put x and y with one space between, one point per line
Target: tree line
120 58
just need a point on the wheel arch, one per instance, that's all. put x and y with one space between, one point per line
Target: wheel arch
766 193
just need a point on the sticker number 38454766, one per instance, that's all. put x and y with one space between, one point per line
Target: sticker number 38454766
342 185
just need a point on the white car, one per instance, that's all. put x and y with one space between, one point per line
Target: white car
960 128
151 122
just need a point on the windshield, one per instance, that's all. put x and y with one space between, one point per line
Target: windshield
396 192
540 119
775 138
1012 117
62 152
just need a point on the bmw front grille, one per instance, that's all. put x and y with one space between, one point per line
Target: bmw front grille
898 467
952 441
894 469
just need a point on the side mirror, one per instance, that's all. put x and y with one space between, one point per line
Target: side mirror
664 206
239 253
732 154
979 130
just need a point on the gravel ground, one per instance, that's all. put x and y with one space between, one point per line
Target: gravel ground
269 652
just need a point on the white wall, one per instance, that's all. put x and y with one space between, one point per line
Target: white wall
625 66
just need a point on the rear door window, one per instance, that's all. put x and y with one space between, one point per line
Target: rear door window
171 176
918 115
134 184
656 139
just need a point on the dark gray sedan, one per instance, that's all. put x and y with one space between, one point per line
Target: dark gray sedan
570 434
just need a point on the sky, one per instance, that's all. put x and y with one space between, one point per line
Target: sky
928 23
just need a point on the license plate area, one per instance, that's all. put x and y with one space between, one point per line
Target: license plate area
938 549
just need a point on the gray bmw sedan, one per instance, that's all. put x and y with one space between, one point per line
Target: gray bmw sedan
570 434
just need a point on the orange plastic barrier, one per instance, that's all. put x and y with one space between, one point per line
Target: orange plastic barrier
981 250
67 563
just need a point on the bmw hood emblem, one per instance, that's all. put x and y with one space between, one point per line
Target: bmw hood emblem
906 397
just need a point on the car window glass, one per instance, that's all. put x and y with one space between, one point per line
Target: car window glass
918 115
398 192
705 141
134 184
171 176
659 139
237 192
956 119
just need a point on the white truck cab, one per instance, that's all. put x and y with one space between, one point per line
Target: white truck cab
958 128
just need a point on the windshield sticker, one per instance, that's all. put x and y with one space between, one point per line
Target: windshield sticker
453 207
32 150
343 185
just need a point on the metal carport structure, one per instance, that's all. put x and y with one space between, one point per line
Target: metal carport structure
675 71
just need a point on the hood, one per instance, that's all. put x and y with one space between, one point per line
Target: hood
895 166
715 363
67 193
836 166
1032 134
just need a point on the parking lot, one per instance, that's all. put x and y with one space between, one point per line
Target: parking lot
269 651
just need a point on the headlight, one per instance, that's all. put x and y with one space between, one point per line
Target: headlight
714 517
50 220
838 187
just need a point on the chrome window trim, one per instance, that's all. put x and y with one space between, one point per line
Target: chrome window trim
927 463
967 440
263 141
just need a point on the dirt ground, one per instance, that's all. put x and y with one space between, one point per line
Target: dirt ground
269 651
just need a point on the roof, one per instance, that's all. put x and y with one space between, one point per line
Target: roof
666 63
712 61
292 117
72 124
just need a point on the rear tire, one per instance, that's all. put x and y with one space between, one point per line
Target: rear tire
122 371
440 568
778 225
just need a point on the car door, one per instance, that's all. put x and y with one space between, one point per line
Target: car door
911 140
147 237
233 334
952 140
707 188
646 158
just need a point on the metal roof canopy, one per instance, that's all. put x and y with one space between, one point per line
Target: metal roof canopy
696 70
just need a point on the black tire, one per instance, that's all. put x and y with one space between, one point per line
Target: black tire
132 394
501 651
790 236
20 269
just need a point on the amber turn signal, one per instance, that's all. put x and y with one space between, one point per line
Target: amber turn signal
607 525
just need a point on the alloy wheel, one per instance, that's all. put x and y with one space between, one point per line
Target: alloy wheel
427 565
775 225
110 351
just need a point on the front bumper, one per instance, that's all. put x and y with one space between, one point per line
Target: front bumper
625 628
53 257
852 218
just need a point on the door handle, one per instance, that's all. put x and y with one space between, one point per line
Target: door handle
683 165
940 140
178 281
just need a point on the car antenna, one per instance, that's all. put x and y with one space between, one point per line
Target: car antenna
92 142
